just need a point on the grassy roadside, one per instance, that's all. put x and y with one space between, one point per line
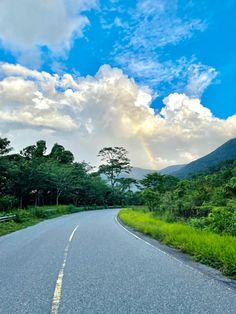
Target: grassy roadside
34 215
209 248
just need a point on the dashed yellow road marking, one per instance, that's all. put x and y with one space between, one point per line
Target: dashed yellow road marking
58 288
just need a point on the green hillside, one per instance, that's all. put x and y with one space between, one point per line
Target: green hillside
225 152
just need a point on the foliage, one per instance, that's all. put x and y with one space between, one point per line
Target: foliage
4 146
35 178
207 201
206 247
220 220
225 152
152 199
7 202
157 182
115 161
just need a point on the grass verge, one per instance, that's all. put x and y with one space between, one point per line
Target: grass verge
209 248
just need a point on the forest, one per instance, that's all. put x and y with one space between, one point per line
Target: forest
35 177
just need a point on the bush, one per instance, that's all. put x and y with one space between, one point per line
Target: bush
8 202
73 209
21 216
222 220
151 199
199 223
40 212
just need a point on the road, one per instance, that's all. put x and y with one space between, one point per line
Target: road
88 263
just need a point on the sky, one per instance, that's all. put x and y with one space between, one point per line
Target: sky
156 77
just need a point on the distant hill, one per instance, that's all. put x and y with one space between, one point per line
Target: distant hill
138 173
225 152
169 170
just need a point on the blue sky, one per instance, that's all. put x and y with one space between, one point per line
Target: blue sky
156 77
107 39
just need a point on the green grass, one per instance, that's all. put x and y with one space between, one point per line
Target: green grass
11 226
209 248
31 216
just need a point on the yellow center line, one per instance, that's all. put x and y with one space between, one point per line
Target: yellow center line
58 288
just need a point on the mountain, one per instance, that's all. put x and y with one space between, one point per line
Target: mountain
225 152
138 173
169 170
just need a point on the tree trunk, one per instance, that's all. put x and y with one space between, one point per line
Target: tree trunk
58 195
21 202
57 199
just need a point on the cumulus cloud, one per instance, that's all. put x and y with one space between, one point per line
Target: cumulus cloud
27 25
88 113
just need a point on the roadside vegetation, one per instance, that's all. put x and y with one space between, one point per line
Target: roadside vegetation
206 201
196 215
215 250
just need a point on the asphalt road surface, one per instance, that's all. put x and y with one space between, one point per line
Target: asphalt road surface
88 263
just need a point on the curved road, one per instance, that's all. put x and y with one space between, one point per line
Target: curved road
88 263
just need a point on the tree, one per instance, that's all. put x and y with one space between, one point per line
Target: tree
231 186
40 149
4 164
61 177
115 161
34 151
20 180
151 199
61 155
126 184
4 146
157 182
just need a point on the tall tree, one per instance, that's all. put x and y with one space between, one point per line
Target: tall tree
115 161
4 163
4 146
126 184
158 182
61 155
61 177
34 151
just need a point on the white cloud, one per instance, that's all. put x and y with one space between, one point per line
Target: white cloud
152 28
158 23
182 75
88 113
27 25
200 78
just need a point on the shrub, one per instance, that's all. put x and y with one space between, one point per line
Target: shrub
222 220
199 223
40 212
151 199
21 216
8 202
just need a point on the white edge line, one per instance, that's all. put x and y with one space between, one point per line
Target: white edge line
171 256
58 287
